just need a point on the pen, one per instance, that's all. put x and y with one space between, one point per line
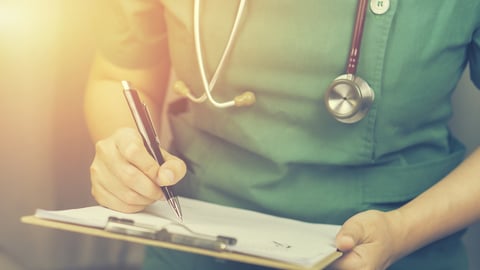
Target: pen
145 126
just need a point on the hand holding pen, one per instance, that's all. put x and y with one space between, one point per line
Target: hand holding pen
146 129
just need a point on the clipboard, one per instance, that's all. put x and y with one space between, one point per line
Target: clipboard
217 253
217 246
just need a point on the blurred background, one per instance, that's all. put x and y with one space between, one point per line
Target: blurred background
45 153
45 52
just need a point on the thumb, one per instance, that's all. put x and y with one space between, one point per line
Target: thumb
350 235
171 171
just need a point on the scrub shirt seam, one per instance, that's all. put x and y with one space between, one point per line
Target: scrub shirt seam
475 65
379 72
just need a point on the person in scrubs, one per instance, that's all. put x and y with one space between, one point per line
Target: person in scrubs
396 179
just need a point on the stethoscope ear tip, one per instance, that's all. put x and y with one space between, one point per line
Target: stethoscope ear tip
247 98
181 88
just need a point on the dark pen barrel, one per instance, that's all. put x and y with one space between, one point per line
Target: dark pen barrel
146 129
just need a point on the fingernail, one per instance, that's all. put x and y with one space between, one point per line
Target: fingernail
165 177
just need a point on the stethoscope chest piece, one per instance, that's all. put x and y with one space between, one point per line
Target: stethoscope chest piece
349 98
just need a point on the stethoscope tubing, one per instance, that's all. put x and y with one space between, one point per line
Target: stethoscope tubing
348 98
357 37
210 85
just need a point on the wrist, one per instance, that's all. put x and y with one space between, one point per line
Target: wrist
399 231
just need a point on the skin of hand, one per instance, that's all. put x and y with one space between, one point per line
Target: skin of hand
373 240
125 177
367 241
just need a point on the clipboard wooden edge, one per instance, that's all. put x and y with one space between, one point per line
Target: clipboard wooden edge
245 258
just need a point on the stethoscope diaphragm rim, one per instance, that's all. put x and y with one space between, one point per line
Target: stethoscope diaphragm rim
349 104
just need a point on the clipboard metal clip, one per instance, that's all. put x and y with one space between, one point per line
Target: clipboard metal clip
191 238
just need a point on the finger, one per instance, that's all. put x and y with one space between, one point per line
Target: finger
132 149
109 200
130 145
142 166
347 241
349 260
171 171
350 235
132 180
121 178
114 180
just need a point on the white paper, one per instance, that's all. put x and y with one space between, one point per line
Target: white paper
257 234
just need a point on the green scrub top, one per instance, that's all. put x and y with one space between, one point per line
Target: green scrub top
285 155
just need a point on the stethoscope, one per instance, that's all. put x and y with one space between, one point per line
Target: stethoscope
348 98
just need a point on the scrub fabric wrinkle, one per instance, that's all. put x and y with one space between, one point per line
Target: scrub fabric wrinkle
260 157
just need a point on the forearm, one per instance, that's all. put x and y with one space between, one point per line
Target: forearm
449 206
105 107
